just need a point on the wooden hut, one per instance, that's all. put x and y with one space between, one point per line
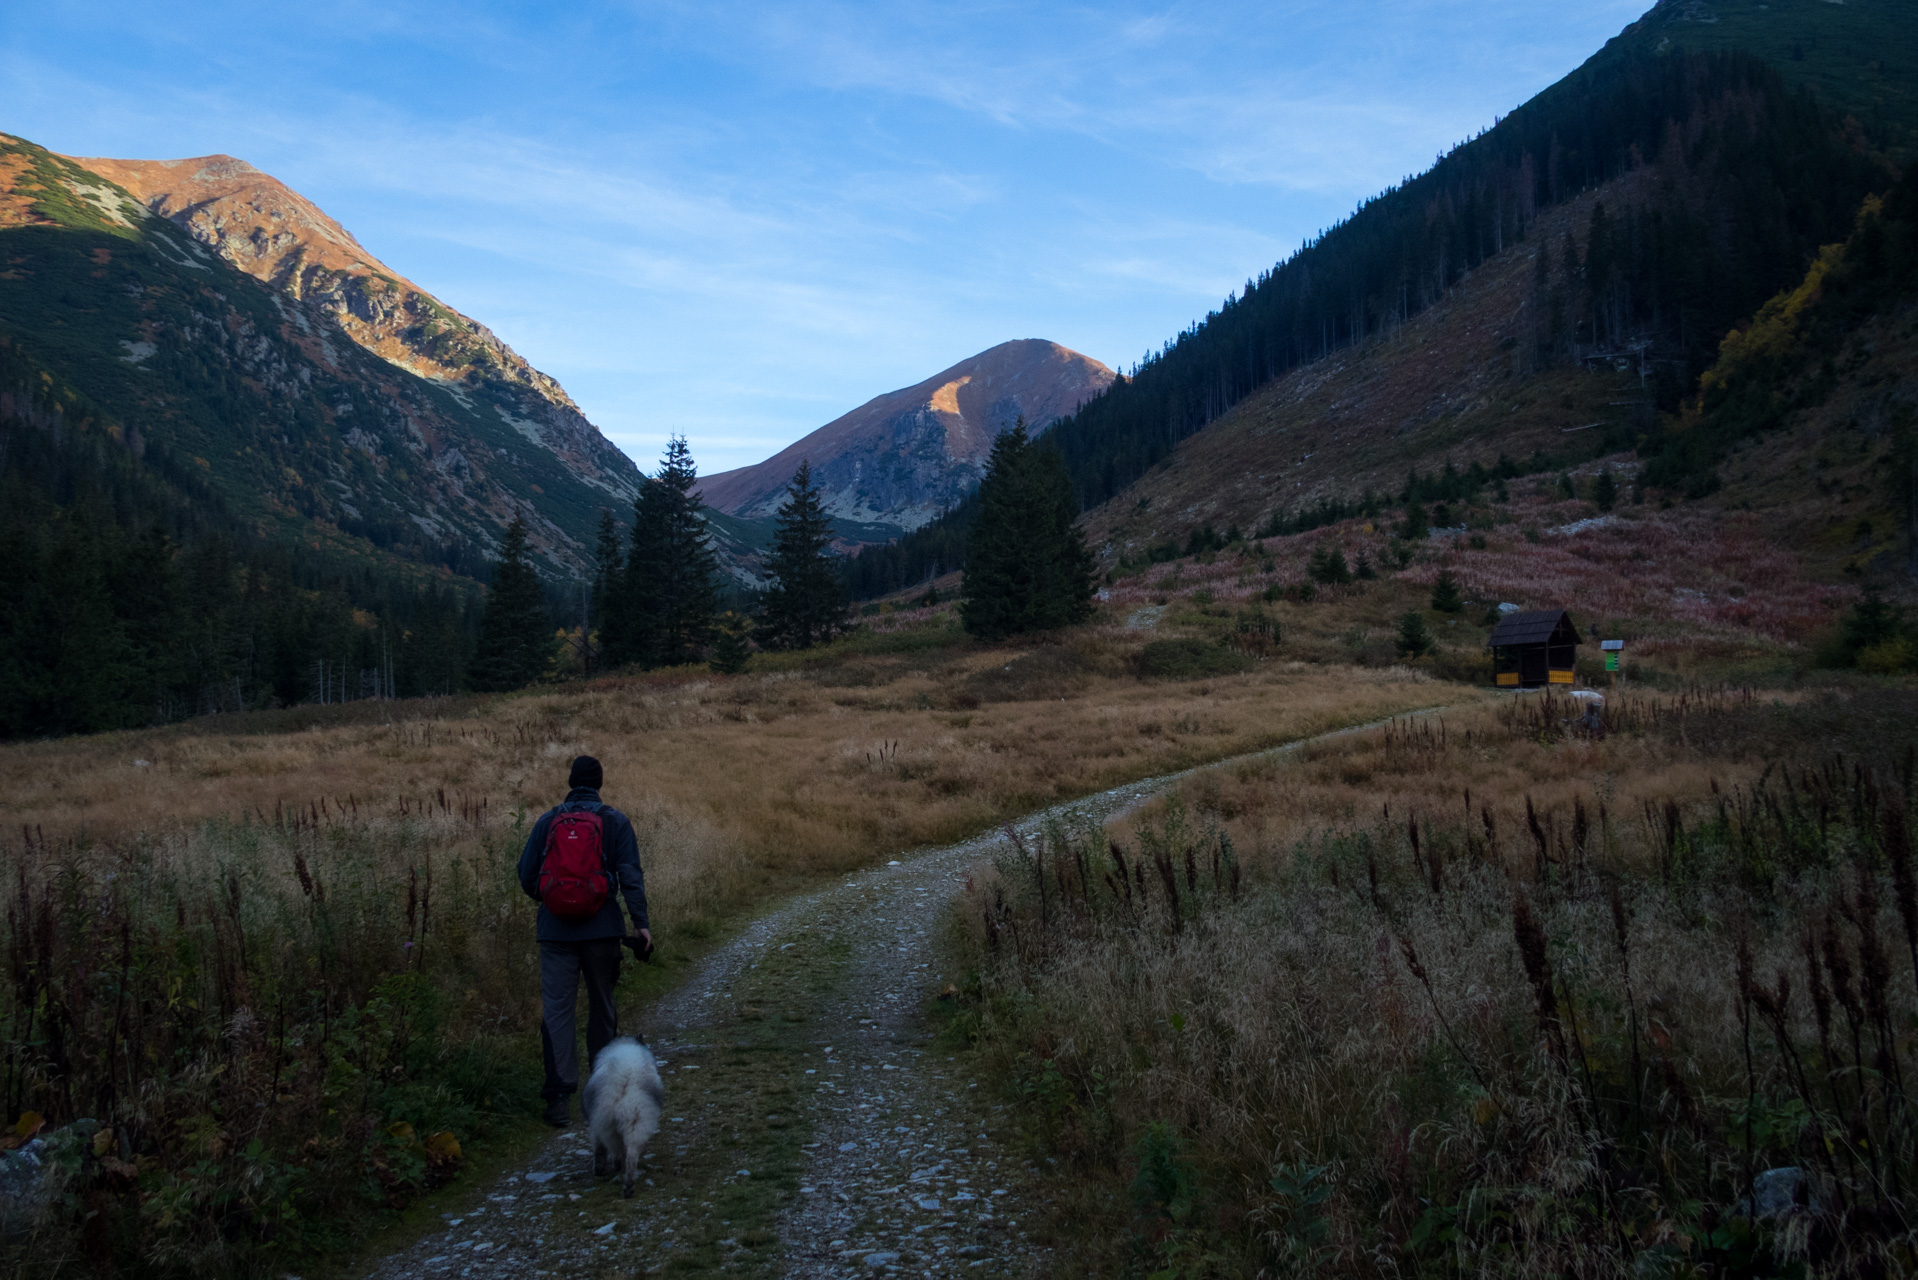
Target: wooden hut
1533 649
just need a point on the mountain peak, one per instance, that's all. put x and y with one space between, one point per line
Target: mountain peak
268 226
903 457
278 236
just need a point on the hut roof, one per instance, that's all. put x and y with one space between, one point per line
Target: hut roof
1533 627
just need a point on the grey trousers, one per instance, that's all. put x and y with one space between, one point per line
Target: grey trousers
562 966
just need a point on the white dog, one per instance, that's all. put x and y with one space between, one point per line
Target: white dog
622 1108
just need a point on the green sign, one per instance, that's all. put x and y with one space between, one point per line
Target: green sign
1611 661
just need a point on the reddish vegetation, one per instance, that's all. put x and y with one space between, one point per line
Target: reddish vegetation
1687 573
1454 384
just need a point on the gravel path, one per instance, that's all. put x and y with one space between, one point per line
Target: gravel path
812 1131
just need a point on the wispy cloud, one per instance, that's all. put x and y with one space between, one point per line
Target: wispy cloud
739 220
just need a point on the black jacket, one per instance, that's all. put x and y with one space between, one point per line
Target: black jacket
622 855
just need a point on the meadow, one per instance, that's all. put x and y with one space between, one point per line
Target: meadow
272 978
1480 993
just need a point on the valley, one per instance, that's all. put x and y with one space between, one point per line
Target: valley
1104 851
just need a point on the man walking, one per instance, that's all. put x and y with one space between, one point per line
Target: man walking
579 859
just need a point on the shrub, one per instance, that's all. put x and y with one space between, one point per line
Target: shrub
1189 659
1445 593
1888 657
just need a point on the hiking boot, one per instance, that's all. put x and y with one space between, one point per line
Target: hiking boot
559 1111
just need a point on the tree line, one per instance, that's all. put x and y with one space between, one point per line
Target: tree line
655 599
657 594
130 598
1745 178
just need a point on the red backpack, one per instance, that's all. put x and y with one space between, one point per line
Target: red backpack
573 883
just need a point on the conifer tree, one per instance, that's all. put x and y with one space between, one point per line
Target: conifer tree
1445 593
516 636
609 585
1605 490
1416 526
806 604
1414 640
1027 566
732 648
1328 567
671 598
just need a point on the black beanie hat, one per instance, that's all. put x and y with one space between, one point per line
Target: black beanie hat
586 773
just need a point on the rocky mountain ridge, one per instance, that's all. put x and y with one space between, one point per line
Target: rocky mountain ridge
224 331
274 234
901 458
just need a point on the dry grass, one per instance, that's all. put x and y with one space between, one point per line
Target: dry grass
273 958
812 769
1501 1045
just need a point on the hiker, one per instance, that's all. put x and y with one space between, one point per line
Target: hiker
578 855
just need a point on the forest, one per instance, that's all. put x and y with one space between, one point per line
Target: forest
1739 180
130 594
134 594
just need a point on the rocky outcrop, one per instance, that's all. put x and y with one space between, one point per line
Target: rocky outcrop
274 234
222 328
902 458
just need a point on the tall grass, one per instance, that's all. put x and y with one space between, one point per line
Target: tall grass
252 1038
1564 1027
277 1006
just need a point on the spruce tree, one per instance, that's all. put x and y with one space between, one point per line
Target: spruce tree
1328 567
671 598
609 586
1416 526
516 636
1605 490
1445 593
1414 640
1027 566
806 604
732 647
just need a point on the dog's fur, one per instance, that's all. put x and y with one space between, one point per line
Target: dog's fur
622 1101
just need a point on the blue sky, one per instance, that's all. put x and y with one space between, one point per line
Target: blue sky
737 221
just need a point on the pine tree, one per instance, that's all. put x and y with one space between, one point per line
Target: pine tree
1445 593
516 636
806 604
732 647
1329 568
1416 526
1027 566
670 597
609 586
1414 641
1605 490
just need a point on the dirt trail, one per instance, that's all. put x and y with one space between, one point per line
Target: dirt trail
812 1130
